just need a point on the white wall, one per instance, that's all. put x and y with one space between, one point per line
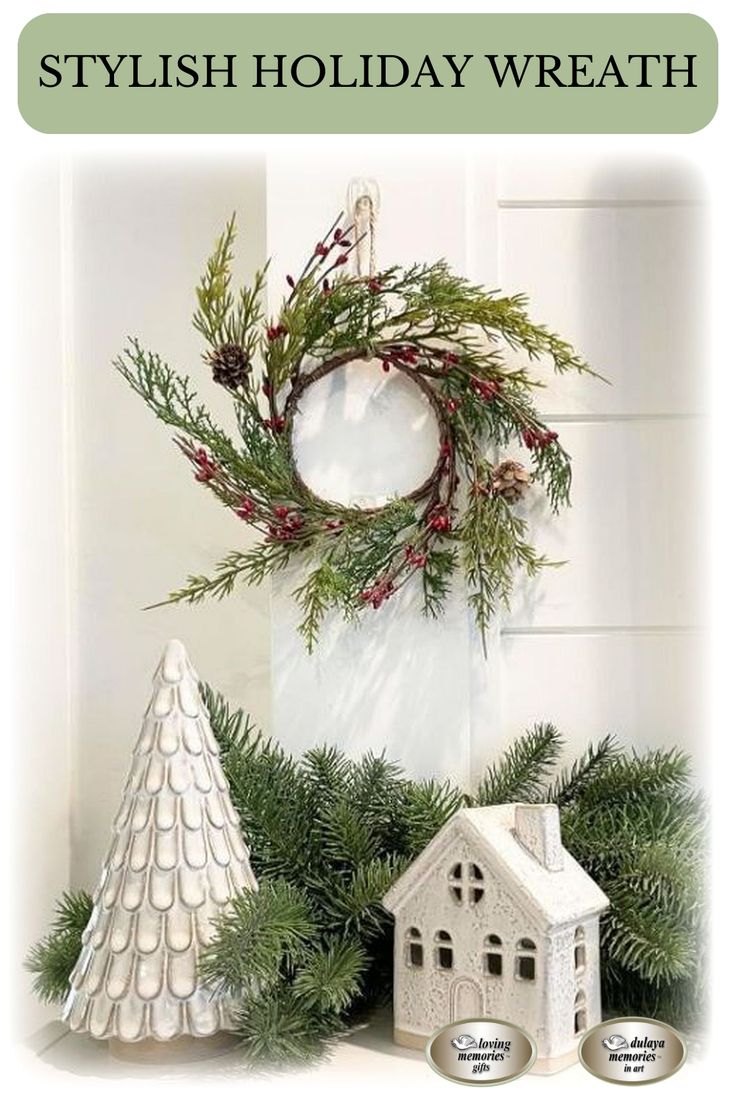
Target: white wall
140 231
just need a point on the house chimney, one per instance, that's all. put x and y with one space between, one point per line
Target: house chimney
537 827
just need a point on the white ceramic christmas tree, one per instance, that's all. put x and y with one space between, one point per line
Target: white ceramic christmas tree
176 858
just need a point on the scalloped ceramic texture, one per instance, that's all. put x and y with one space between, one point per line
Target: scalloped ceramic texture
176 858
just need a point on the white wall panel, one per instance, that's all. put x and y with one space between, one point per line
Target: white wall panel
631 541
623 285
574 178
645 688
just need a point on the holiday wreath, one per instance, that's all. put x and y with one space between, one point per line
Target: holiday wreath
441 332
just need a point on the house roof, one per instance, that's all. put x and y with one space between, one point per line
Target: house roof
175 860
554 897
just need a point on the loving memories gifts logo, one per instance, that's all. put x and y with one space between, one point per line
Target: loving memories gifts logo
481 1052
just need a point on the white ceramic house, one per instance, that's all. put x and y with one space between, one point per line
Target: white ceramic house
495 918
176 858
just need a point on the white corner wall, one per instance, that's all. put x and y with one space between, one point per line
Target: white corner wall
141 229
38 744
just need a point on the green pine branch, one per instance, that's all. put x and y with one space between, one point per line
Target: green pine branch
521 772
328 836
53 958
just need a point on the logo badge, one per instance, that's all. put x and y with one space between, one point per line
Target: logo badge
481 1052
632 1051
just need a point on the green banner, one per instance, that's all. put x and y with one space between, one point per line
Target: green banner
466 74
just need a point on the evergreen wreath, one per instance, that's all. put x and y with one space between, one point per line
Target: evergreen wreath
310 955
439 331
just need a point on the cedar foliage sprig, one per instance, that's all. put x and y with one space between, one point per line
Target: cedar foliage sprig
438 329
311 953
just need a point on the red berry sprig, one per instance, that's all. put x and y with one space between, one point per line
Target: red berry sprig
538 439
485 389
287 524
276 425
205 467
439 520
416 559
378 593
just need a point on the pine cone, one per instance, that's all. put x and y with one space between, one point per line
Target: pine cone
510 480
230 366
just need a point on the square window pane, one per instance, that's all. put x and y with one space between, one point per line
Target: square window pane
494 965
526 968
416 954
444 958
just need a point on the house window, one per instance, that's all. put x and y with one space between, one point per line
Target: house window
466 882
443 950
581 1016
579 950
414 948
526 960
493 957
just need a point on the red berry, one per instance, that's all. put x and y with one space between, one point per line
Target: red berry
246 509
440 521
342 259
281 511
452 405
386 365
206 467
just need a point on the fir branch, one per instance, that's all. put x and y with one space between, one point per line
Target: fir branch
571 783
331 975
53 957
277 1028
425 807
254 936
521 772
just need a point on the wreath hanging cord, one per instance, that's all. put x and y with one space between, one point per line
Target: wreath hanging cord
444 334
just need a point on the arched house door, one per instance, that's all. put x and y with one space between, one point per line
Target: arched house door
466 999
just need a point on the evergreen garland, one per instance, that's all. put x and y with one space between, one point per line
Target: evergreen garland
435 328
312 952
